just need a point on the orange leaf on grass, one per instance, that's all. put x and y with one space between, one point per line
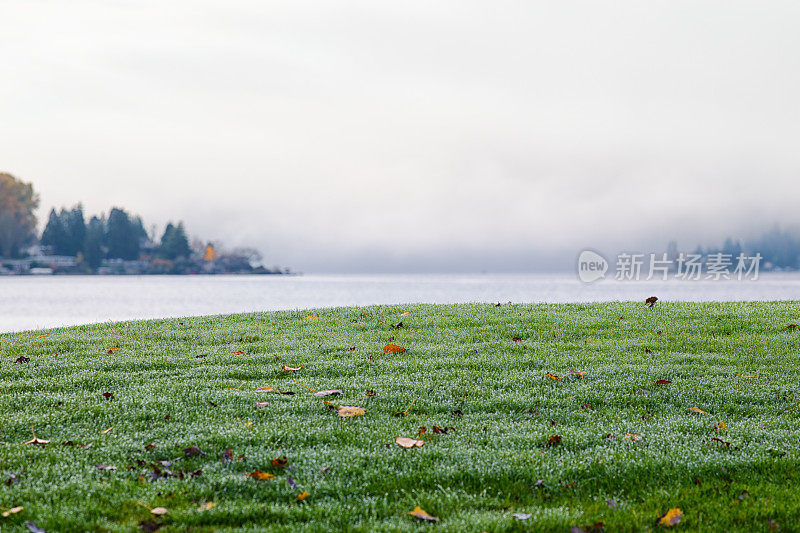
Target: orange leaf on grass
672 517
291 369
303 495
698 410
259 475
393 348
555 378
311 317
279 462
422 515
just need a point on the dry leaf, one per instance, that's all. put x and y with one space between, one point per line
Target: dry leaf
108 395
721 425
393 348
206 506
262 404
105 467
291 369
632 436
651 301
311 317
555 440
13 510
346 411
577 373
159 511
106 430
663 382
422 515
551 376
303 495
279 462
698 410
672 517
406 442
193 451
332 392
521 516
33 528
405 314
261 476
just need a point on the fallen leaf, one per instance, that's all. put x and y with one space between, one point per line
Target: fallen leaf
206 506
406 442
718 441
310 317
261 476
393 348
108 395
405 314
13 510
239 352
651 301
442 430
280 462
227 455
291 482
105 467
262 404
648 350
516 339
521 516
193 451
698 410
274 391
109 429
792 326
150 446
397 326
721 425
291 369
303 495
663 382
555 440
202 355
33 528
632 437
21 360
555 378
672 517
422 515
159 511
346 411
332 392
577 373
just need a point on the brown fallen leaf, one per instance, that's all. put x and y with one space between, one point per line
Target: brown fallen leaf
717 441
107 430
397 326
150 446
261 476
193 451
555 440
227 455
274 391
663 382
792 326
577 373
21 360
393 348
291 369
346 411
651 301
442 430
516 339
648 350
406 442
422 515
279 462
332 392
108 395
672 517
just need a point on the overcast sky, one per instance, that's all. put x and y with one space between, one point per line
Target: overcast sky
426 136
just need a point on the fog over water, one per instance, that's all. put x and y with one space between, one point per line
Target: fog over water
362 136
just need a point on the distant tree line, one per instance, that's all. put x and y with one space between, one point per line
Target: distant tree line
120 235
778 248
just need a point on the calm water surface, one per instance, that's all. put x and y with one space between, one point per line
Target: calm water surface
34 302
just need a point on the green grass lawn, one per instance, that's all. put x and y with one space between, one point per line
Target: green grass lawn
630 450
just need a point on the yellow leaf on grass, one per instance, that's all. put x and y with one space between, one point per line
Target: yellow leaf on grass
405 314
13 510
206 506
698 410
106 430
672 517
393 348
261 476
422 515
311 317
551 376
721 425
303 495
632 436
406 442
346 411
159 511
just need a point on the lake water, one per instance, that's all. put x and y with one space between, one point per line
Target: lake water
34 302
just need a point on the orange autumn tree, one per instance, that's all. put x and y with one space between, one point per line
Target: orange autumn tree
17 221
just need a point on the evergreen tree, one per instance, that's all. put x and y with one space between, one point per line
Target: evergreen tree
54 234
122 236
174 242
93 243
